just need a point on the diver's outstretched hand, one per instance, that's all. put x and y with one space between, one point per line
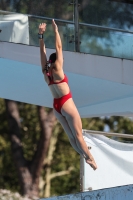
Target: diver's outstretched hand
42 28
91 162
55 28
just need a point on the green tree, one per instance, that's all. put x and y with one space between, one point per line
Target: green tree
24 136
29 165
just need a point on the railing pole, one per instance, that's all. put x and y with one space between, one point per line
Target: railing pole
121 135
76 23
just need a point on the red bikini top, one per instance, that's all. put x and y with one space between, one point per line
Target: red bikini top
51 81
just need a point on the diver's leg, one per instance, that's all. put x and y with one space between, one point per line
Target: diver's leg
70 112
68 131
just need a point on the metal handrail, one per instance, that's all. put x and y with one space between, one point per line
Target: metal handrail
108 134
84 24
106 28
71 22
49 18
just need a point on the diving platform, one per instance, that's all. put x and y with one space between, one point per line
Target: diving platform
101 86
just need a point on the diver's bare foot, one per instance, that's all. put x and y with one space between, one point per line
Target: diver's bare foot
91 162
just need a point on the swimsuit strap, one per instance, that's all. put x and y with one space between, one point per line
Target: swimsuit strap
51 82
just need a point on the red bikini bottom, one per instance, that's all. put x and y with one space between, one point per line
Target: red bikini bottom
58 103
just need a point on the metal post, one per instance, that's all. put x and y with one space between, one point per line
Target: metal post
76 23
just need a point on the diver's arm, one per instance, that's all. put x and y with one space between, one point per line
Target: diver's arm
43 58
58 46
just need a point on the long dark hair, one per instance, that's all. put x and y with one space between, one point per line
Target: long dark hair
52 57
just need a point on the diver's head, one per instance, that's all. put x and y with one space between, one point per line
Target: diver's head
52 58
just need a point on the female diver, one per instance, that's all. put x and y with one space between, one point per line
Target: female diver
63 105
